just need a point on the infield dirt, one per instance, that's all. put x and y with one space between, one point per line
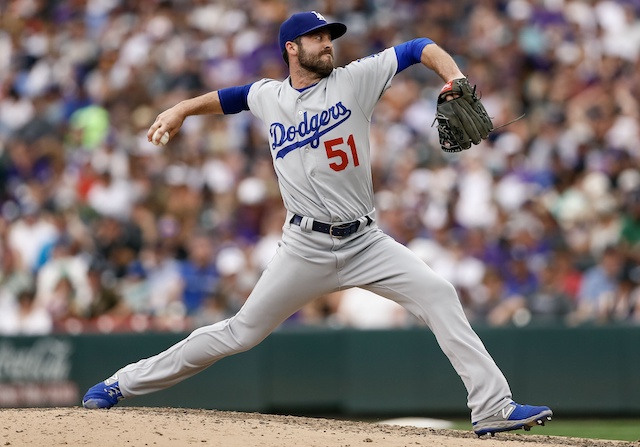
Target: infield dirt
128 426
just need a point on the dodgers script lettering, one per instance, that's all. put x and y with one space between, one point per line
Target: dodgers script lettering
310 127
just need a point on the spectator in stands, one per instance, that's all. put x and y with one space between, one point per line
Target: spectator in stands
13 278
486 297
109 196
134 290
23 316
549 303
163 277
569 278
624 305
117 243
198 273
521 284
62 284
29 235
598 289
630 230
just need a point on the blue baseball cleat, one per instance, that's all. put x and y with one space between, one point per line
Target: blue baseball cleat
103 395
513 417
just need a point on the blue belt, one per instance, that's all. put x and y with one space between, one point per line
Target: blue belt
336 230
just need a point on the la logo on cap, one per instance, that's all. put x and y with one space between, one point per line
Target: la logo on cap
319 16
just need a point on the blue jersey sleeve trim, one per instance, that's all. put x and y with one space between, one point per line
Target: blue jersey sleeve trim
409 53
234 99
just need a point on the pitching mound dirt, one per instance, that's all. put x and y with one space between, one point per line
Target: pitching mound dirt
160 427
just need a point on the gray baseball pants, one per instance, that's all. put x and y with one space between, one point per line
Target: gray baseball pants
309 264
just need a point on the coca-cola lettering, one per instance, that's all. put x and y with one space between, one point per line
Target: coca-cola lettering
46 360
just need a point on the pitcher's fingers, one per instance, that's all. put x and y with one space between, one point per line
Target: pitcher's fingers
152 130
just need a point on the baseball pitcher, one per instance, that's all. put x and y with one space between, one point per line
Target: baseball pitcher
317 121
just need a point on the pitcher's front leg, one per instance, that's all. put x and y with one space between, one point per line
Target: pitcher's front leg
288 283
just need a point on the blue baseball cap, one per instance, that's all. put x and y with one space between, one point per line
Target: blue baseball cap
305 22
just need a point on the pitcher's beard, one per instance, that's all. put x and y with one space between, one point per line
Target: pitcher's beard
316 64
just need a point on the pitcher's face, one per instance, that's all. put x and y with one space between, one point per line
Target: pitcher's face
315 53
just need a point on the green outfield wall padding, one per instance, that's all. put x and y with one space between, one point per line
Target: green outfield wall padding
591 371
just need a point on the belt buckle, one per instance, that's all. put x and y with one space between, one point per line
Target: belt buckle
337 226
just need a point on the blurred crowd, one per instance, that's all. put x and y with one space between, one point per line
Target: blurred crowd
102 231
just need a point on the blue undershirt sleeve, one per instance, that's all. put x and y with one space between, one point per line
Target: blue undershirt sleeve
234 99
410 52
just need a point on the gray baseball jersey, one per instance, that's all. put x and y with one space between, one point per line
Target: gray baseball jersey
319 140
